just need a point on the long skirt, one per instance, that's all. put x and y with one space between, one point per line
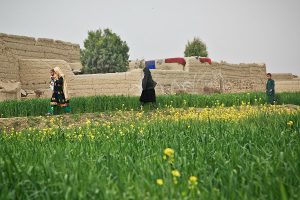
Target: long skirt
58 100
148 96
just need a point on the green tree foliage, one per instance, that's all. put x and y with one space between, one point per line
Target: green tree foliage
104 52
195 48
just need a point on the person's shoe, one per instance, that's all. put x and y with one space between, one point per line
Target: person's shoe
49 114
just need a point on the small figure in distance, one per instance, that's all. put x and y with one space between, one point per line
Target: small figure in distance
60 95
270 89
52 79
148 93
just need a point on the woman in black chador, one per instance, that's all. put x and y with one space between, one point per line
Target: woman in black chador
148 94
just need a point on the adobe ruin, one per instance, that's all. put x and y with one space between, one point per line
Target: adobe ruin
25 63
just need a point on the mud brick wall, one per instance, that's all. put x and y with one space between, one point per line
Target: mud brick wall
9 69
232 77
41 48
28 60
35 73
286 82
136 64
243 77
126 83
282 76
35 76
287 85
161 65
10 90
173 81
76 67
205 78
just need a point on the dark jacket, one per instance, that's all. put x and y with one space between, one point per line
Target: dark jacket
270 86
148 82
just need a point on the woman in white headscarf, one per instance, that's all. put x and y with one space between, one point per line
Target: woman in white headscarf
60 96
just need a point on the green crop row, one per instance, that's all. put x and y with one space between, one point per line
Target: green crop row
37 107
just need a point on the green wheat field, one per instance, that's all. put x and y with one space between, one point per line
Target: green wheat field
223 146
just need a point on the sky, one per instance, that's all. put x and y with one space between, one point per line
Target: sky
235 31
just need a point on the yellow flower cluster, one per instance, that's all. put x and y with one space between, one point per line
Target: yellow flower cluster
175 174
128 122
169 152
192 181
169 155
290 123
159 181
217 113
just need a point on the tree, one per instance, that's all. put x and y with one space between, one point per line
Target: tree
104 52
195 48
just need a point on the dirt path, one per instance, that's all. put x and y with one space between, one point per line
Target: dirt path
40 122
67 120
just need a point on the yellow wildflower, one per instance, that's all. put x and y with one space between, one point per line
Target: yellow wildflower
88 122
192 182
169 152
193 179
169 155
290 123
159 181
176 173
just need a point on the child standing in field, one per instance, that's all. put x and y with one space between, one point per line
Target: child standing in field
60 95
52 79
270 89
